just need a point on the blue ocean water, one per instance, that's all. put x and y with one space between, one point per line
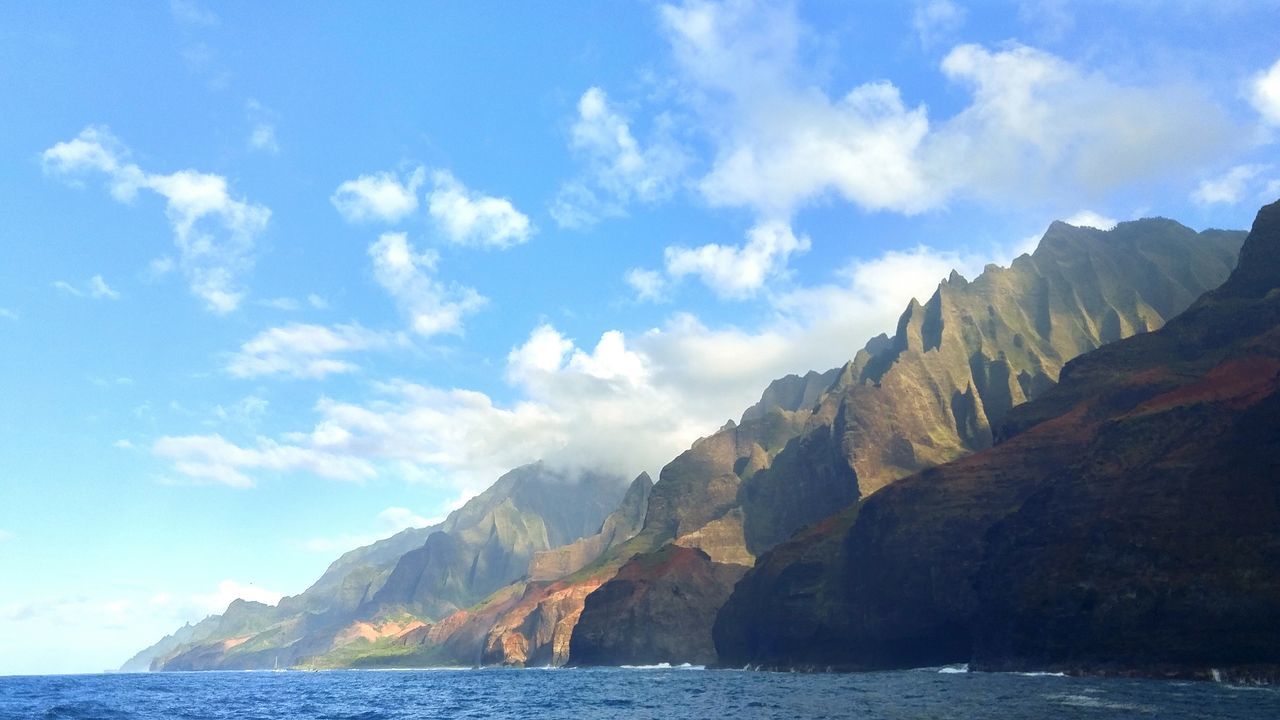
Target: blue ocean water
585 694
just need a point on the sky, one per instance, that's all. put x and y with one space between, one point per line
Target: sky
277 280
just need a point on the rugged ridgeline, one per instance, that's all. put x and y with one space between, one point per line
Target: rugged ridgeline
371 597
954 369
1128 520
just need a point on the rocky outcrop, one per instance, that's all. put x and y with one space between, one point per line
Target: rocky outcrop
536 630
1127 520
657 609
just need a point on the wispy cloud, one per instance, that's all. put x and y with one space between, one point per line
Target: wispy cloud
189 12
262 128
214 232
96 288
1228 188
619 170
306 351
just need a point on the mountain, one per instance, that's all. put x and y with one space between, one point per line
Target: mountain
954 369
1127 520
410 580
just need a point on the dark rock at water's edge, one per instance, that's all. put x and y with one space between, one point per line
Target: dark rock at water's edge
1126 522
657 609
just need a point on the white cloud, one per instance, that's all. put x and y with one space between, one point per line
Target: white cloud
317 302
248 411
211 458
627 401
619 170
1264 93
475 219
98 288
262 133
936 21
123 444
68 288
229 590
263 137
159 267
5 535
280 303
214 232
305 351
1039 127
408 276
95 288
738 272
1036 126
1089 218
8 314
1228 188
648 284
382 196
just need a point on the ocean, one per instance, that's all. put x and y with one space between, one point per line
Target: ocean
585 694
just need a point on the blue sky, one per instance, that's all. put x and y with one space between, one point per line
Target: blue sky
278 280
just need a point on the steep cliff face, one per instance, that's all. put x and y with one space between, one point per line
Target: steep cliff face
658 608
1127 519
364 597
930 394
955 367
621 525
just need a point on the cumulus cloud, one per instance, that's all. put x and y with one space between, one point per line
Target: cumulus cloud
1264 93
1035 127
96 288
471 218
305 351
1035 124
409 277
1228 188
214 232
738 272
384 196
620 401
619 170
